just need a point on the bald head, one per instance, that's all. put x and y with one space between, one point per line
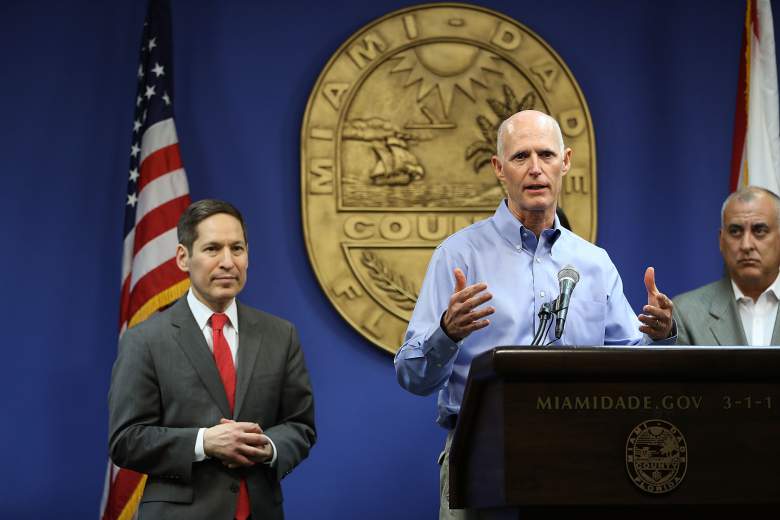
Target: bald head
523 118
750 239
530 164
749 194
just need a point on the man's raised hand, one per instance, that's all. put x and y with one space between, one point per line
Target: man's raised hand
462 316
657 314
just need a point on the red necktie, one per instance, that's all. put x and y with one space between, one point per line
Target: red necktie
227 372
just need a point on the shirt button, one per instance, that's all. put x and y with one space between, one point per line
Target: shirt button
518 247
234 487
538 260
541 294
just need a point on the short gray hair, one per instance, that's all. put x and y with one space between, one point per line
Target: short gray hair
502 128
747 194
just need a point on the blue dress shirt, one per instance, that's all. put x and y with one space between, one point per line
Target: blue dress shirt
521 273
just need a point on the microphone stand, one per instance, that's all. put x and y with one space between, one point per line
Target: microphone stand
545 313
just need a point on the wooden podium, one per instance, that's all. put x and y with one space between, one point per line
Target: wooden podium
642 432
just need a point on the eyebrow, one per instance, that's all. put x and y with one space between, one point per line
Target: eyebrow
218 243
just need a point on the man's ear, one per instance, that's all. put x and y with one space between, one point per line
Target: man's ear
566 166
498 168
182 258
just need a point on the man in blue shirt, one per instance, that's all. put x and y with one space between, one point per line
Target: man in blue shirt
486 283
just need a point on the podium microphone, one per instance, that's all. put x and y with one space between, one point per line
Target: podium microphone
567 278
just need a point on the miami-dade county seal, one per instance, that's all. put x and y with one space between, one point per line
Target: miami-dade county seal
656 456
396 145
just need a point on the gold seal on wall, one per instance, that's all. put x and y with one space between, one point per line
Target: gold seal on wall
656 456
396 145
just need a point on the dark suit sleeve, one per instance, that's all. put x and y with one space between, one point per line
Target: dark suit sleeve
136 441
294 434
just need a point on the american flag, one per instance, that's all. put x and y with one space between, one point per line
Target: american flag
157 194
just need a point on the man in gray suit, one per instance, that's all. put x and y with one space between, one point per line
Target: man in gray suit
211 398
742 308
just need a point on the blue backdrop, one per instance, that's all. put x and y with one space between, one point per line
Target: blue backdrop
660 80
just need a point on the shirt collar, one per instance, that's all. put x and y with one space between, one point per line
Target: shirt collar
507 225
773 290
202 313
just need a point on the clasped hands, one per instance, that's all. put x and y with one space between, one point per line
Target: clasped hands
463 316
237 444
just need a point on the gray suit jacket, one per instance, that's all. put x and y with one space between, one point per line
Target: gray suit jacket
709 316
165 386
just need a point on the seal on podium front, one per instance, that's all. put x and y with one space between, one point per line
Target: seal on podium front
656 456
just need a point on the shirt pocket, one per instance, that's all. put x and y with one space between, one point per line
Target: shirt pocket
585 323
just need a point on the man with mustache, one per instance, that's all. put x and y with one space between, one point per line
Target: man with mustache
486 283
741 308
211 398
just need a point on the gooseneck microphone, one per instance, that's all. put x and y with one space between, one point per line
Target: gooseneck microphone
567 278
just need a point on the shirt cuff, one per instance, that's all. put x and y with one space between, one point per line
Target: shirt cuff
440 349
273 449
200 453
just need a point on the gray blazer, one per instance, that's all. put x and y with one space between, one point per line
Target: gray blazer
709 316
165 386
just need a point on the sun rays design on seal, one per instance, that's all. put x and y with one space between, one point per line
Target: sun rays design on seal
656 456
445 67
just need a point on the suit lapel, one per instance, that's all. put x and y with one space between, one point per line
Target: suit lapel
250 339
726 325
776 333
191 341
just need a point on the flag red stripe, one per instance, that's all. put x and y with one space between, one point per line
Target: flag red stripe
740 115
162 161
158 221
120 492
154 282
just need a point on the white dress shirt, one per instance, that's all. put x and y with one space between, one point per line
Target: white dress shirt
758 317
202 316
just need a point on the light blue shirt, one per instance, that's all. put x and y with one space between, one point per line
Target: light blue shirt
521 273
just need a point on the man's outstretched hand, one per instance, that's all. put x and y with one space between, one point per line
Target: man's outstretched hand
657 314
462 316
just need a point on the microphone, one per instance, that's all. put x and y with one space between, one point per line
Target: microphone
567 278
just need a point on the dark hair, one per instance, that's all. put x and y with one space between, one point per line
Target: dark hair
197 212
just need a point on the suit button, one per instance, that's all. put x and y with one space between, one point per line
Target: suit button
234 487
